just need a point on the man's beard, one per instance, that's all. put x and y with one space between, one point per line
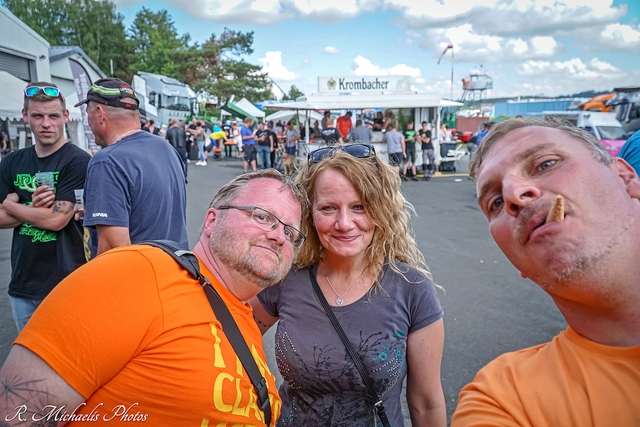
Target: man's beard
224 244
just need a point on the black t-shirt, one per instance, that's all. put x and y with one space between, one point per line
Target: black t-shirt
260 134
274 136
331 136
177 137
409 139
40 259
426 134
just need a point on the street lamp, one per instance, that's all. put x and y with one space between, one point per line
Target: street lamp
450 46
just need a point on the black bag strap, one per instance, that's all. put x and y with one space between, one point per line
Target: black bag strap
189 262
357 361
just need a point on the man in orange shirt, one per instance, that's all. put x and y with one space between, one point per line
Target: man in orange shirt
132 337
585 258
344 125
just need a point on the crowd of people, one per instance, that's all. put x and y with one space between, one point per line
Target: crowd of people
122 332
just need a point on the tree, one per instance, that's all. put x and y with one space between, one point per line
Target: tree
217 68
156 43
294 93
94 25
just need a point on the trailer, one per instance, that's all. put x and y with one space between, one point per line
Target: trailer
163 98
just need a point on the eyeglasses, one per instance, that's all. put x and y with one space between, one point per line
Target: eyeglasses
53 92
268 222
361 151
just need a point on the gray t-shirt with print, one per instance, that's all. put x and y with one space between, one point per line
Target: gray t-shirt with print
321 385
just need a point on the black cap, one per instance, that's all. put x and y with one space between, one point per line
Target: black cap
110 92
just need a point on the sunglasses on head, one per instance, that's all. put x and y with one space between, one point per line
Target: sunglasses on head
53 92
361 151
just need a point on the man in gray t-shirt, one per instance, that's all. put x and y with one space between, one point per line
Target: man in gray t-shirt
395 147
361 133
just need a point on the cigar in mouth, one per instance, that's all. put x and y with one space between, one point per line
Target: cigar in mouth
557 210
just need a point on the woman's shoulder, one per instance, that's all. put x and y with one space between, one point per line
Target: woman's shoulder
406 274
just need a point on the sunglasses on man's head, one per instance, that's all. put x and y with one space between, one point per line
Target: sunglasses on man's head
361 151
53 92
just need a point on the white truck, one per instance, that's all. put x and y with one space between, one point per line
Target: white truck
163 98
604 126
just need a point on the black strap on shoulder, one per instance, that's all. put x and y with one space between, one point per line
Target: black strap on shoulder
189 262
357 361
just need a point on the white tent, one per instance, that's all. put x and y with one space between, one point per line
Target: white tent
285 115
250 108
12 98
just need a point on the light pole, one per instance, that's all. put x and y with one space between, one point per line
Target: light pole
450 46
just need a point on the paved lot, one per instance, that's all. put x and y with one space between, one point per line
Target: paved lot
489 309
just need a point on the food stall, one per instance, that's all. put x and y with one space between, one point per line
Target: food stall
427 107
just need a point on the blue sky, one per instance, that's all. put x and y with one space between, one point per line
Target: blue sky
528 47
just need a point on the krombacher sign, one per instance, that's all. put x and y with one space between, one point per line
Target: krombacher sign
364 84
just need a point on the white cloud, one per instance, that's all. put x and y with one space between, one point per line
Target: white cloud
272 65
573 75
617 37
331 50
472 47
362 66
305 63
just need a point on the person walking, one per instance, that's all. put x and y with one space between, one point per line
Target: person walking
177 138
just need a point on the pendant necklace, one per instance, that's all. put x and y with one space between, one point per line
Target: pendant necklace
339 300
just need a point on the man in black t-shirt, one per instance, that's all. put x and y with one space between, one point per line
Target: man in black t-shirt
177 138
428 157
410 141
37 193
264 147
273 139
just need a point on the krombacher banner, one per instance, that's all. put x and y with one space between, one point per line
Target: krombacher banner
364 84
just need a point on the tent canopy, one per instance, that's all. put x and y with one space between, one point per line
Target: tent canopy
250 108
12 98
285 115
365 101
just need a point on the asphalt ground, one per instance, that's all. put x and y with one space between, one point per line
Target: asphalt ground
489 309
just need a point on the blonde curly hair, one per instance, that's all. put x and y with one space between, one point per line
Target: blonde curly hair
378 187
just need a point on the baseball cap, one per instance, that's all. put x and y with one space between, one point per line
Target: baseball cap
111 91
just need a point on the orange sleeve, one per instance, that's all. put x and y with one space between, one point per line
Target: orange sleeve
87 337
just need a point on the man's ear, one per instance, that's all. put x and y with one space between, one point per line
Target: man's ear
209 219
629 176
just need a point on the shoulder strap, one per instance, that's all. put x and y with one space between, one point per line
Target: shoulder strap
357 361
189 262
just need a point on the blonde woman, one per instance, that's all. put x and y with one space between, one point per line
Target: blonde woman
367 265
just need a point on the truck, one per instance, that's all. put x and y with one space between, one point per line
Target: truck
163 98
627 107
604 126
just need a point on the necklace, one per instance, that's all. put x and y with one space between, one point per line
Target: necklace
130 132
339 300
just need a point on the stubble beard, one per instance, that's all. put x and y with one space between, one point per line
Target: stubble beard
224 244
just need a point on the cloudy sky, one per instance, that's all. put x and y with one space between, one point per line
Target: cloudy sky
528 47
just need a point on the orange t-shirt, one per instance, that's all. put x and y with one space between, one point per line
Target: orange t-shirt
135 335
344 125
569 381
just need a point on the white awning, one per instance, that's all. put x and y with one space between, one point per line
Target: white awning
365 101
12 99
285 115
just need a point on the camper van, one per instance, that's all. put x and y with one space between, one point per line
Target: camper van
163 98
604 126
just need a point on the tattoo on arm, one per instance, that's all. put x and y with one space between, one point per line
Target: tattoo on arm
24 401
63 207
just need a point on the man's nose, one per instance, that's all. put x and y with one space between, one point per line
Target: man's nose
518 192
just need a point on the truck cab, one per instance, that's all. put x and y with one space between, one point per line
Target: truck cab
163 98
